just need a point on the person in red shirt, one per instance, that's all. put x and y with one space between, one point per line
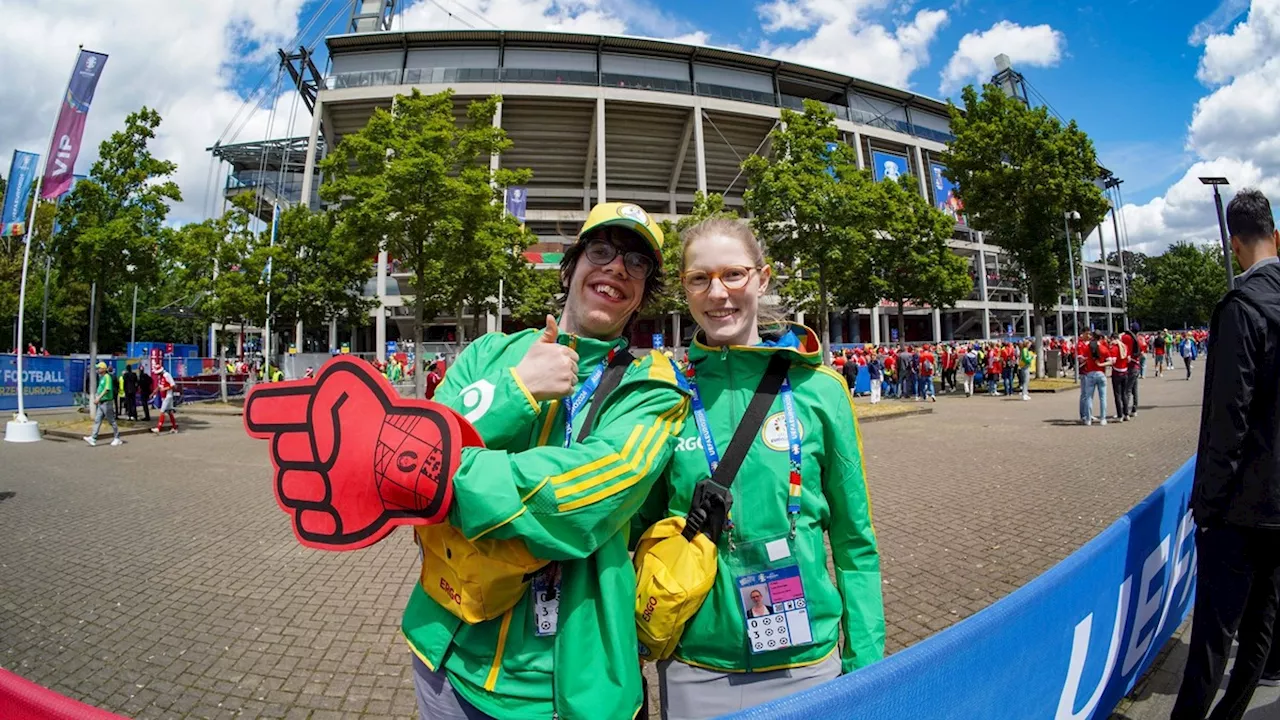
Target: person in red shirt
928 366
995 368
163 389
890 374
1094 357
1008 360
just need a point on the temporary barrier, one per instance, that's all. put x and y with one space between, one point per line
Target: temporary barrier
48 382
1068 645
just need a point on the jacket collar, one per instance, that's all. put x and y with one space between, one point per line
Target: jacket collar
809 352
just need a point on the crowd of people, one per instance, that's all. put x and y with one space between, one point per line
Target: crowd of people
120 397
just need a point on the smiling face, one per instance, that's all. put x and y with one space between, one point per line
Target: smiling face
727 315
601 298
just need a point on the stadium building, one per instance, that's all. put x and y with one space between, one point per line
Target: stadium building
613 118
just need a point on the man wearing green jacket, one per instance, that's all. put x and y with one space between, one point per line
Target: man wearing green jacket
103 406
536 485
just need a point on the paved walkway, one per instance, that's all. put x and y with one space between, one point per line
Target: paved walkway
159 580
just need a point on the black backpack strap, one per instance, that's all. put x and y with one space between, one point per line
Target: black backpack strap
711 500
608 383
752 420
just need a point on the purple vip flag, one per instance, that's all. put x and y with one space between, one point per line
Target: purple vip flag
70 129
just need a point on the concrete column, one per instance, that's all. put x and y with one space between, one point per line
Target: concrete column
982 276
855 327
836 323
1060 333
857 145
333 334
380 318
1026 323
986 323
600 165
937 325
1084 282
497 122
297 336
354 333
309 167
240 343
923 172
875 326
700 147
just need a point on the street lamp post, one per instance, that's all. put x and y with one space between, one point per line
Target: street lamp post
1067 217
1222 227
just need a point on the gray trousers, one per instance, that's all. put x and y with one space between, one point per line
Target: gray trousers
108 411
437 700
689 693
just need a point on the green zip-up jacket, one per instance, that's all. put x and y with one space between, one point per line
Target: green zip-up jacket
833 503
568 505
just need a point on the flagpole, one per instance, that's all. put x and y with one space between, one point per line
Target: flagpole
20 429
266 341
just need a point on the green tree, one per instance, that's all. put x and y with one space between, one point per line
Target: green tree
317 271
112 221
911 258
421 181
1018 170
209 263
537 294
1180 288
816 211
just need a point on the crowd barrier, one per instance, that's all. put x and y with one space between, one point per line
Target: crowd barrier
1068 645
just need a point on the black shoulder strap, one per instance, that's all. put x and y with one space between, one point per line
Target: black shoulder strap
751 421
608 383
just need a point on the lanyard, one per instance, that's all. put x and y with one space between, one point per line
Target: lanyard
584 393
793 440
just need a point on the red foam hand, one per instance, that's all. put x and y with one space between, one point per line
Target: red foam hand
353 459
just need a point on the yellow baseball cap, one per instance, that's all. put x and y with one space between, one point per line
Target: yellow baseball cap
101 366
629 216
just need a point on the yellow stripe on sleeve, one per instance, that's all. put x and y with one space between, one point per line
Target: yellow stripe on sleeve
669 423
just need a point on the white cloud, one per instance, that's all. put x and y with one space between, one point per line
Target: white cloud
843 39
1245 48
175 57
974 59
1234 133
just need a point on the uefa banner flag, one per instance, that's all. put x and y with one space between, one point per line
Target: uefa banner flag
70 128
22 172
517 201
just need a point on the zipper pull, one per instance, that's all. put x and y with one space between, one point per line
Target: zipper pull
724 351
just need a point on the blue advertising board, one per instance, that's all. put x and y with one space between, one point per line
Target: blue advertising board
889 166
1068 645
47 381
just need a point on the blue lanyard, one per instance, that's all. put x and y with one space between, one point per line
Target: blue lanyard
584 393
793 439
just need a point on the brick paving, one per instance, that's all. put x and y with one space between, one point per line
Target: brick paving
159 580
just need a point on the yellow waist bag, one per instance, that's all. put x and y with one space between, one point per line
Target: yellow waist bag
675 559
478 580
482 579
674 575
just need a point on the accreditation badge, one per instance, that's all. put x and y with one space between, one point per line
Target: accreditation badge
771 593
546 601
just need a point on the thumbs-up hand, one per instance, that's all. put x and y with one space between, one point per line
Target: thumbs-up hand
548 370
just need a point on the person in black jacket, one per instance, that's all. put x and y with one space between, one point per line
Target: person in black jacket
1235 497
130 392
144 392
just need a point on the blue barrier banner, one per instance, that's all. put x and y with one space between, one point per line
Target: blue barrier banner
1068 645
48 382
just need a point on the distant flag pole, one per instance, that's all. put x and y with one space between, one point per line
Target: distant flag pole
266 340
67 130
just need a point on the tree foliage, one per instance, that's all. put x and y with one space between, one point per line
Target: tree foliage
911 259
421 182
816 212
113 220
1178 289
1018 170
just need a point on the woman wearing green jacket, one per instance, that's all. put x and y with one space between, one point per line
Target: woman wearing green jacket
539 489
772 622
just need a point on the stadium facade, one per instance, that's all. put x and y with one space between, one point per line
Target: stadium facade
611 118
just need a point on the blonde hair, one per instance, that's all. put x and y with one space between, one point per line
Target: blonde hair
734 229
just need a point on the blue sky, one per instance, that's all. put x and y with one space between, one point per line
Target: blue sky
1168 89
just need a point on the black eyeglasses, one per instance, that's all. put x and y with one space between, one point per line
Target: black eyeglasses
602 252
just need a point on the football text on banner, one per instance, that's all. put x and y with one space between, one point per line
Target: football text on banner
22 173
1068 645
47 381
69 131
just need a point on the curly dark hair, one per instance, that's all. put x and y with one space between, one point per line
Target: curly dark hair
654 285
